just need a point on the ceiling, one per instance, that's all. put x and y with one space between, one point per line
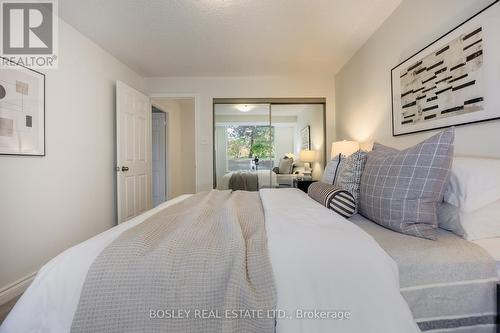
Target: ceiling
228 37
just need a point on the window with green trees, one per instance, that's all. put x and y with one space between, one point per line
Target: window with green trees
247 142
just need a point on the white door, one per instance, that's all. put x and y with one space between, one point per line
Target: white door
133 148
159 161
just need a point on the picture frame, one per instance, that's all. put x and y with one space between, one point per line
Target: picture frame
22 110
305 138
452 81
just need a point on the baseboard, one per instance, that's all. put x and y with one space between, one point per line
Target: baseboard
16 288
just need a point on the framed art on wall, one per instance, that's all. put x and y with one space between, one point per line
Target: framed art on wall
453 81
305 138
22 110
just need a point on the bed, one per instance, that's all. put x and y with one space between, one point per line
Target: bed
266 179
492 246
450 284
321 263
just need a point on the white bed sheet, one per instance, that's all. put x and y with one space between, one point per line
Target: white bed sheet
320 261
492 246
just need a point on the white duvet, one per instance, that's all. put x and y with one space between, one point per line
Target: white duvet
320 261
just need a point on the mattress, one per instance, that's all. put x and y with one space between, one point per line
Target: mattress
449 284
492 246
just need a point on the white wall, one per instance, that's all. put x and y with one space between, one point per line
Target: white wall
284 139
181 145
208 88
363 92
312 116
50 203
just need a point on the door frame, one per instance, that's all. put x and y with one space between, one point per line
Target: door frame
271 101
196 98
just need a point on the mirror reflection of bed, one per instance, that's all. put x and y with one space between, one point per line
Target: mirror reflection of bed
267 145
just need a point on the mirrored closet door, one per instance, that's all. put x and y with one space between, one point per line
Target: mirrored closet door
275 144
243 146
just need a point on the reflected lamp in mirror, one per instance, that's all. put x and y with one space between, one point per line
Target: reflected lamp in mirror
307 157
345 148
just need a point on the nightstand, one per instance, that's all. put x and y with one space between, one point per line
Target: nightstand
303 185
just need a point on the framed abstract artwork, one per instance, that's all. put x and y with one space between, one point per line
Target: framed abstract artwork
22 110
453 81
305 138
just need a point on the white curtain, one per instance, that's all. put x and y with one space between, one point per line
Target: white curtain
220 152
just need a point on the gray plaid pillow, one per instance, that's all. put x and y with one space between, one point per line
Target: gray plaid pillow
402 189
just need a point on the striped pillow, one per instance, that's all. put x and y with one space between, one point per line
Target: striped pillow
340 201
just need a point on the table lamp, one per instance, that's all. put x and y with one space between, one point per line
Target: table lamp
307 156
345 148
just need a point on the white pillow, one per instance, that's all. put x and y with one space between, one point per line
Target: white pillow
449 218
331 170
480 224
474 183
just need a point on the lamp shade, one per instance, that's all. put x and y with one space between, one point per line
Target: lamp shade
307 155
344 147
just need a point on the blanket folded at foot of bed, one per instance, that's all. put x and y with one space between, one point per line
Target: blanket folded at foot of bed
244 181
201 265
449 284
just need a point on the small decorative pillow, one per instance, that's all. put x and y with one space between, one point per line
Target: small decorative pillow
349 173
401 190
331 170
286 165
449 219
340 201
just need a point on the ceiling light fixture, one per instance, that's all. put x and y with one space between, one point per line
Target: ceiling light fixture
244 108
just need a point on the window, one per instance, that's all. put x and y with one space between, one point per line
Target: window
245 143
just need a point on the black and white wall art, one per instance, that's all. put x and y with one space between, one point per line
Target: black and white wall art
305 138
453 81
22 110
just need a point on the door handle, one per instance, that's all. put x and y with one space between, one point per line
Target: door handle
124 168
